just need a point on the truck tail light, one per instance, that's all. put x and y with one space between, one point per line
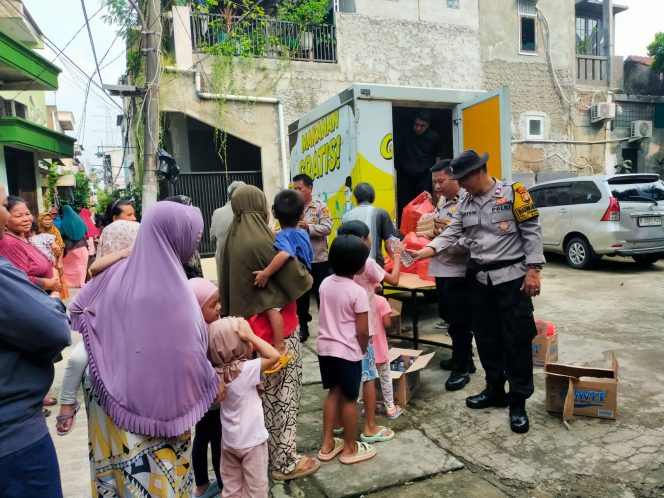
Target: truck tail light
613 211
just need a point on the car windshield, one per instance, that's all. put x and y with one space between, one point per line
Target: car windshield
638 191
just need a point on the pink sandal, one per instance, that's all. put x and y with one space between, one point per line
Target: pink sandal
64 418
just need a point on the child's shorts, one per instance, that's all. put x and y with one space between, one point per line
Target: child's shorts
342 373
369 370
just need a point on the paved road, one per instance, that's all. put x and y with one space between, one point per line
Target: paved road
615 308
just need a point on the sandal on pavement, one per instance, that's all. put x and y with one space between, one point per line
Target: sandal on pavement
63 418
364 452
397 413
46 412
383 434
338 432
212 491
338 448
283 361
300 470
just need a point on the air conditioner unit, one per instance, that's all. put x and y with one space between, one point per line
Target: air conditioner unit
602 111
640 129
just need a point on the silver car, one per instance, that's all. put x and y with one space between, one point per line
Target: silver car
588 217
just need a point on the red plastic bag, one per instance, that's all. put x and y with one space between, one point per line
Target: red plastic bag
421 268
413 211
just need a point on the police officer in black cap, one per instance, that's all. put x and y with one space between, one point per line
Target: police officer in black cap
501 227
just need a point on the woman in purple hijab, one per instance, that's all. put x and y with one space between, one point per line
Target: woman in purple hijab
147 342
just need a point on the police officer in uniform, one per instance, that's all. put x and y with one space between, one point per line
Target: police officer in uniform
317 222
449 269
499 223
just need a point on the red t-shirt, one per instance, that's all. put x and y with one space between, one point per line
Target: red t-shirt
261 325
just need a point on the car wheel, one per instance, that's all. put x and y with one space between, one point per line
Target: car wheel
579 254
645 259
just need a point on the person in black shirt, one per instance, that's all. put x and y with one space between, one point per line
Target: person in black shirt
416 151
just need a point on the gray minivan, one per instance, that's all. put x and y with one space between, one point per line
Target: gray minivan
588 217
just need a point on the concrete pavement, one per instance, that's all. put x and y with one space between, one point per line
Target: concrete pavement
444 449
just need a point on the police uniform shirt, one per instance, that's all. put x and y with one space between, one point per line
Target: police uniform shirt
317 216
453 262
501 225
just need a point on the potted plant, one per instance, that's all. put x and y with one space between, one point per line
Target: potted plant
305 14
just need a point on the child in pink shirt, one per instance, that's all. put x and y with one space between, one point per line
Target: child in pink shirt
383 322
343 335
244 455
370 279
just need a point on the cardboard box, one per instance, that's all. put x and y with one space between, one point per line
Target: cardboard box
586 391
396 306
405 384
545 347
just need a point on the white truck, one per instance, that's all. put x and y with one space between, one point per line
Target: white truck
350 138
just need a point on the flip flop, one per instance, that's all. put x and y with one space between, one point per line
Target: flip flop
295 473
338 448
364 452
63 418
338 432
383 434
396 414
46 412
283 361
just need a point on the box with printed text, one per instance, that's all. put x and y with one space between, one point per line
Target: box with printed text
545 343
405 366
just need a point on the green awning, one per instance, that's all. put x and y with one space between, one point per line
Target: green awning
23 69
23 134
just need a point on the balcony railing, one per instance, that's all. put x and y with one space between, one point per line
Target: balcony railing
268 38
591 68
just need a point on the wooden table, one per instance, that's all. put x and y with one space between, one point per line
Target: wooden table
412 283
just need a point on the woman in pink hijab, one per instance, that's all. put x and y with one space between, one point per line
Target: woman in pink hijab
147 343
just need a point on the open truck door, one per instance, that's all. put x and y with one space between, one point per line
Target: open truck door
483 124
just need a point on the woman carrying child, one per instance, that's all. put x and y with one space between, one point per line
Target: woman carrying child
370 279
249 247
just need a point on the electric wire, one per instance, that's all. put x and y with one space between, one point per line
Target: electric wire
92 42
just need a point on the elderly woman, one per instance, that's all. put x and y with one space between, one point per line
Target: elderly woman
75 262
150 378
47 225
16 248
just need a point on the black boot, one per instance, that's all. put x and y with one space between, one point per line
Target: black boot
456 381
446 364
519 419
304 334
486 399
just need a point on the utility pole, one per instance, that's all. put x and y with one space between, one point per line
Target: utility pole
151 105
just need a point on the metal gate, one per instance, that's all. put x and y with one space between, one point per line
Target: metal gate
208 192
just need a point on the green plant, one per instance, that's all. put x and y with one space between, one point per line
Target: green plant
624 167
132 192
304 12
81 194
52 181
656 51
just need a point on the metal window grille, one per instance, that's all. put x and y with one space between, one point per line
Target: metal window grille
633 111
527 8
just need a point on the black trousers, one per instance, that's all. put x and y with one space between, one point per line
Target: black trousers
208 431
319 271
455 307
409 187
504 330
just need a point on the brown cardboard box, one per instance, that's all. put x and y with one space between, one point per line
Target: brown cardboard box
406 383
396 315
545 349
587 391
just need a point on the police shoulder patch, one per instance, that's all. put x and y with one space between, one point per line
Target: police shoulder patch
524 209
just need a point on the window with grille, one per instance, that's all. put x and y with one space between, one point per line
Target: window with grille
527 26
633 111
588 36
452 4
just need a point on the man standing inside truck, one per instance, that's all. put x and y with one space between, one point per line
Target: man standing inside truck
415 152
500 225
317 222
